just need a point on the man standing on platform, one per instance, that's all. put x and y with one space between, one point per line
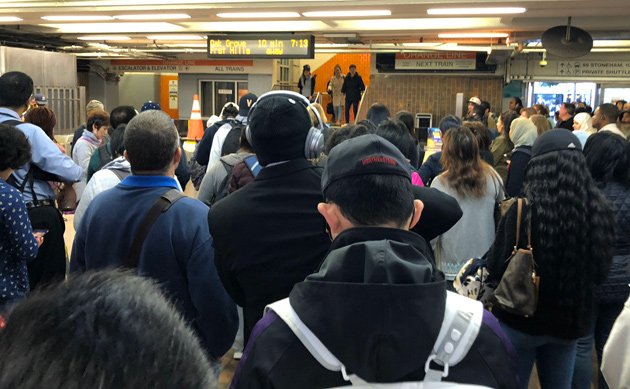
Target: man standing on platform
47 163
353 87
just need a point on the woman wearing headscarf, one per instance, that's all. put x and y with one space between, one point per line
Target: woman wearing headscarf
522 133
583 127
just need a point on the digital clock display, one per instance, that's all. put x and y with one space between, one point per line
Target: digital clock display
261 46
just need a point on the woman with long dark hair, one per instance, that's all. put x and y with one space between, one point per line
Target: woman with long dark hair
572 246
476 187
608 159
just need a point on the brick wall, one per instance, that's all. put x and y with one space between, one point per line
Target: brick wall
431 94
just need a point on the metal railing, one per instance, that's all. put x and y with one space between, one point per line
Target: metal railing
68 104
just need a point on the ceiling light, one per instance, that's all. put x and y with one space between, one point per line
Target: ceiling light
476 11
186 44
120 27
257 26
174 51
473 35
258 15
611 43
104 38
10 19
330 45
76 18
439 24
424 44
152 16
175 37
346 14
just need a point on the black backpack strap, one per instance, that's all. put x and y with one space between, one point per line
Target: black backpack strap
161 205
121 174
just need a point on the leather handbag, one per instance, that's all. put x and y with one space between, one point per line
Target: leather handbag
517 292
66 197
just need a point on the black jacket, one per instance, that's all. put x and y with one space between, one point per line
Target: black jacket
615 288
377 304
567 124
516 171
202 155
440 212
311 80
268 236
353 87
431 168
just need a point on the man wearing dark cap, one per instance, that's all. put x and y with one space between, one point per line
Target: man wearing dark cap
377 301
353 87
245 103
268 235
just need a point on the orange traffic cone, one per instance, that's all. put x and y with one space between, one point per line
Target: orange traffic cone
195 125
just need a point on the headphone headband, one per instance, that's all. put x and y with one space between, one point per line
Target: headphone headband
292 95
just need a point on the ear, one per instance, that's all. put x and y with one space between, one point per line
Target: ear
177 156
125 155
331 213
95 127
418 206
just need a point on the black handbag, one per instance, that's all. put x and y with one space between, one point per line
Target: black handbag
517 291
330 109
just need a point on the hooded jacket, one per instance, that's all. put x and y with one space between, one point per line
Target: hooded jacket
377 304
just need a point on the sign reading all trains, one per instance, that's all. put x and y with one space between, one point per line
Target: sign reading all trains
261 46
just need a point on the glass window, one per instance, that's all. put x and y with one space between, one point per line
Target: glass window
552 94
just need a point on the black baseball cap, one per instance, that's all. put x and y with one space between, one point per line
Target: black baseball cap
245 103
555 140
366 154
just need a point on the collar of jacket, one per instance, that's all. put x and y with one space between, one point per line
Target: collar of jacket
150 182
283 169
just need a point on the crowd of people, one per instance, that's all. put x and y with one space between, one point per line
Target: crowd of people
338 251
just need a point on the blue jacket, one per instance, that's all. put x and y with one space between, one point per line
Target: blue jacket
177 253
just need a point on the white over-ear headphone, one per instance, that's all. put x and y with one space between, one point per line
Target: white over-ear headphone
314 139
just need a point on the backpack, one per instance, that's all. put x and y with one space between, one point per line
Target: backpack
232 141
243 173
460 327
223 187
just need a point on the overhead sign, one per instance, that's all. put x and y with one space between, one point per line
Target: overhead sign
594 68
261 46
439 60
223 66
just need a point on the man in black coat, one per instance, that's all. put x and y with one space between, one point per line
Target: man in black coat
353 87
377 302
268 235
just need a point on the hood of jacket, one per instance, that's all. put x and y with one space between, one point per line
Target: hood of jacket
234 158
119 163
376 302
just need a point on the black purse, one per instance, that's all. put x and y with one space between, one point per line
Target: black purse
517 291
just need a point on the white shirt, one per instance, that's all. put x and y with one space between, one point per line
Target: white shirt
612 127
219 139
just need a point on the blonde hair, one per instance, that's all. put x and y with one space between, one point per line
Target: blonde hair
320 111
541 123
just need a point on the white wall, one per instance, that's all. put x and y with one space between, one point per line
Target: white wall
135 89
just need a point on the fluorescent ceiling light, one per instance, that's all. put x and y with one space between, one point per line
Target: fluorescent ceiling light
98 45
426 44
186 44
257 26
476 11
138 27
98 54
611 43
487 49
76 18
330 45
174 51
104 38
175 37
439 24
258 15
10 19
347 14
152 16
473 35
610 50
342 35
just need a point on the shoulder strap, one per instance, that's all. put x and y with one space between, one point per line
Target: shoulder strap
460 327
121 174
12 122
519 217
161 205
253 165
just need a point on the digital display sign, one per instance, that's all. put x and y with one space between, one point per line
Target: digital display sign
261 46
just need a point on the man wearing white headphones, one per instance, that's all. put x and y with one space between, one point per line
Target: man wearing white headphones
268 235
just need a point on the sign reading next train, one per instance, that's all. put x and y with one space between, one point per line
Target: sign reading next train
261 46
